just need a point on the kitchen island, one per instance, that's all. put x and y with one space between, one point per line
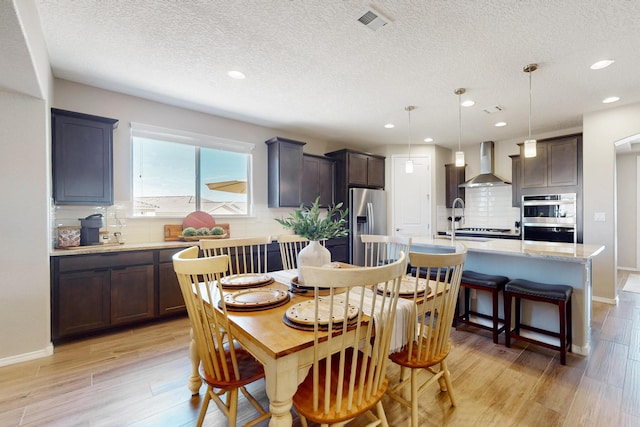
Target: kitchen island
546 262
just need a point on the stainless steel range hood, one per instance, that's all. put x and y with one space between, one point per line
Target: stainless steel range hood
487 177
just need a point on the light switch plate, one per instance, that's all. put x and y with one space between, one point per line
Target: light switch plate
599 216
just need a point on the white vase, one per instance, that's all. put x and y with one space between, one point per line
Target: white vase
314 255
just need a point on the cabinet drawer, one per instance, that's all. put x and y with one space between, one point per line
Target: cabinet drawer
166 255
115 259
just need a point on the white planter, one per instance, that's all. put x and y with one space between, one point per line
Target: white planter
314 255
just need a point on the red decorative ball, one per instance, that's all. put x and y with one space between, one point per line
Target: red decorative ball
198 219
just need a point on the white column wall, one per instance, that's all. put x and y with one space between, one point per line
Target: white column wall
601 130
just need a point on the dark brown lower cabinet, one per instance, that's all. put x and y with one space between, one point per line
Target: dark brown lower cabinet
97 292
91 293
132 292
82 303
170 299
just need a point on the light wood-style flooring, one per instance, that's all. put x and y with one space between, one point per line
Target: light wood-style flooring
138 377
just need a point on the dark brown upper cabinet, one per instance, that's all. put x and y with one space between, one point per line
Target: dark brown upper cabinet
317 179
454 176
284 164
557 163
356 169
82 154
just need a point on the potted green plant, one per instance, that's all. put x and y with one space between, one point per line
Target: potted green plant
311 223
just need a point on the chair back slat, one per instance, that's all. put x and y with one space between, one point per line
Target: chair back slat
290 245
434 316
380 249
349 366
245 254
198 279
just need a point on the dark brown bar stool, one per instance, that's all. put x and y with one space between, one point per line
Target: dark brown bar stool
559 295
485 283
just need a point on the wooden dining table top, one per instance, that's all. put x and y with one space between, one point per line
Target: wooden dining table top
267 329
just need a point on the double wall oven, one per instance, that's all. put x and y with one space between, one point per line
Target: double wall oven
550 218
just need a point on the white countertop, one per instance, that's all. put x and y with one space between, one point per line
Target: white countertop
99 249
548 250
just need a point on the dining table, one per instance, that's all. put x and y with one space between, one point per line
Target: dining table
285 352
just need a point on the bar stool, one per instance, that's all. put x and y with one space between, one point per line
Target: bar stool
559 295
486 283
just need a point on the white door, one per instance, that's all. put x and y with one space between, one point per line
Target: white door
411 197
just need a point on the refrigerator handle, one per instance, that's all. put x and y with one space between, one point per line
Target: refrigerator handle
370 218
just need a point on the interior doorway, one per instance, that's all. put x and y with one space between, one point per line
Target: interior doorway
411 197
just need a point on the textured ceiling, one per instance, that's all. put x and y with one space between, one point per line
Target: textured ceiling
313 69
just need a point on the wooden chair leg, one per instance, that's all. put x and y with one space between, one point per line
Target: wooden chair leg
562 314
414 398
517 315
495 316
205 405
447 380
507 319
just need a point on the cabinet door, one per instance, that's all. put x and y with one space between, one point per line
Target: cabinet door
562 162
534 169
454 176
82 167
338 248
83 301
516 185
317 180
170 300
284 159
375 172
131 294
357 165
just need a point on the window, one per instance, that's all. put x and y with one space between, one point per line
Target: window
175 173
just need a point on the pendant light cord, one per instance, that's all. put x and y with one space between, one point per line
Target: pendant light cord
409 133
530 71
459 120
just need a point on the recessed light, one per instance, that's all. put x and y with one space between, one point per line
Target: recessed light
602 64
500 124
428 140
610 99
238 75
389 126
468 103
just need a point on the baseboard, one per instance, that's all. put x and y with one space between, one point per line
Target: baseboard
611 301
47 351
582 351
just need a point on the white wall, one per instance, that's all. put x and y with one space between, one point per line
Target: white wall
24 211
601 130
86 99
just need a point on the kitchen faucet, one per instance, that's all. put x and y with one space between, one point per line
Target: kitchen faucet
456 201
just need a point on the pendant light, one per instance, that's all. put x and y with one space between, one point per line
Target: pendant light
408 166
460 153
530 144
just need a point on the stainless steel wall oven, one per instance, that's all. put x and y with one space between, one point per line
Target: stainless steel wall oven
549 217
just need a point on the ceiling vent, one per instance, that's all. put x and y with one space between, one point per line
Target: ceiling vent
373 20
494 109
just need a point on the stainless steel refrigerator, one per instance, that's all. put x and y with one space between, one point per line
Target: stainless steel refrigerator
367 215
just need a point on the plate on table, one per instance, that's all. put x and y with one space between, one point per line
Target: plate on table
303 313
255 299
246 280
407 286
301 289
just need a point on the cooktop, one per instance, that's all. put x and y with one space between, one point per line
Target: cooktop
482 230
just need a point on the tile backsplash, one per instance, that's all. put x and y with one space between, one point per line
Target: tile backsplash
151 229
485 207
